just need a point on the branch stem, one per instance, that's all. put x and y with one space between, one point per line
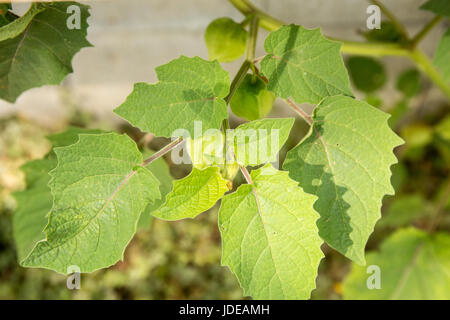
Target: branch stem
398 25
246 174
162 152
366 48
425 30
300 111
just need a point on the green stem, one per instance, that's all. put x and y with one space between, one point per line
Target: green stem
267 22
252 36
398 25
424 63
362 48
425 30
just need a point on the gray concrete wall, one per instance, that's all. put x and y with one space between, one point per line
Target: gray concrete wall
132 37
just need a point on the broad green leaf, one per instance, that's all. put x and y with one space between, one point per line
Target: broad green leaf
99 191
269 237
19 25
43 51
259 141
442 56
161 171
404 210
189 90
366 73
409 82
192 195
387 33
35 202
439 7
252 100
69 136
304 65
413 264
345 160
33 205
226 40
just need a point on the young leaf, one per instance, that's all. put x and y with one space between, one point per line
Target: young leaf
99 191
225 39
442 56
367 74
439 7
252 100
304 65
414 266
192 195
269 237
189 89
33 205
345 160
43 50
409 83
259 141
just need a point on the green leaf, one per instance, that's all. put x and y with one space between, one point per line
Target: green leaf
225 39
442 56
414 266
19 25
387 33
439 7
409 82
269 237
259 141
404 210
43 51
345 160
252 100
161 171
189 89
99 191
69 136
192 195
367 74
33 205
35 202
304 65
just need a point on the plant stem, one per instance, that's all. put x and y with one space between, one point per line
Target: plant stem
246 65
246 174
424 63
252 36
267 22
363 48
162 152
425 30
299 110
398 25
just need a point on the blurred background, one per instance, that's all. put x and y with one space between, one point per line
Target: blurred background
181 260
